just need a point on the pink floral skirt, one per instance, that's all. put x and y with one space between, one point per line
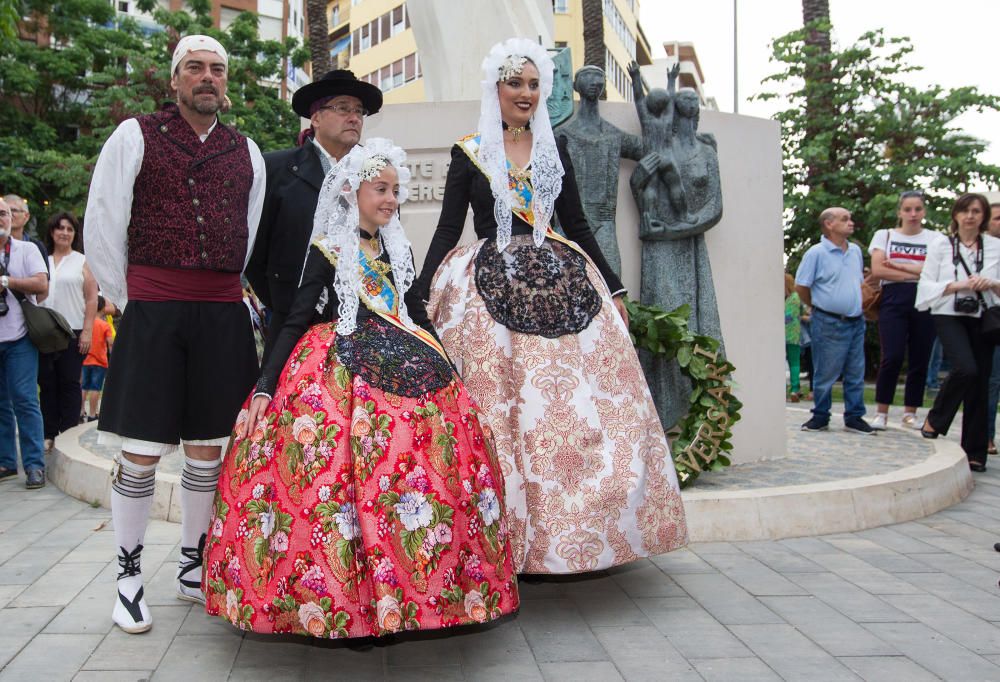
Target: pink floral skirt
354 512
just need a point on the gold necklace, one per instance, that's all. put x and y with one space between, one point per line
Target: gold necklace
517 132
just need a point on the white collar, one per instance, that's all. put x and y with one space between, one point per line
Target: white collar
210 129
328 155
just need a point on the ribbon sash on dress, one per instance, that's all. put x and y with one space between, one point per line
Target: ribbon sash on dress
522 191
380 296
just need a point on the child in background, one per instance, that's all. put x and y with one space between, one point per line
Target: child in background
95 366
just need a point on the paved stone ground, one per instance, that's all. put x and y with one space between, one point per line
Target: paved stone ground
913 601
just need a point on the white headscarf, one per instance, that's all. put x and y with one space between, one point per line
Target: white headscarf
546 168
194 43
337 222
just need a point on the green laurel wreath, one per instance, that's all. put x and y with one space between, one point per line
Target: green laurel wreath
704 435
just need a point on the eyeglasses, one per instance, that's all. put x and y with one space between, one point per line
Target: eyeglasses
345 109
4 214
18 210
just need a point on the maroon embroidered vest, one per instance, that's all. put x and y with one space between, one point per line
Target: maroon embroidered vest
189 204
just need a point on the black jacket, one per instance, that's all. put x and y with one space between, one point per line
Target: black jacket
466 185
294 178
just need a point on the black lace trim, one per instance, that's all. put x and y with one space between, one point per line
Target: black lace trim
393 360
540 290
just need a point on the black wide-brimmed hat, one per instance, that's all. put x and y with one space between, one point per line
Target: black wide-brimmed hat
337 82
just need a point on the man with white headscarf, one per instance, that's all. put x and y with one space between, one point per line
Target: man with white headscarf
171 218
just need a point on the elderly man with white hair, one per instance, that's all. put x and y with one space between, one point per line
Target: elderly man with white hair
171 218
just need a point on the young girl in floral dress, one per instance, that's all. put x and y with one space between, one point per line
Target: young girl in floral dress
360 495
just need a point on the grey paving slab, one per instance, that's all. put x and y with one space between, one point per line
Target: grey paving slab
121 651
961 626
643 579
790 654
933 651
641 653
855 603
580 672
692 629
890 538
725 600
19 626
29 564
557 633
50 657
976 601
205 658
113 676
735 670
9 592
880 557
321 661
887 669
752 575
834 632
780 558
59 585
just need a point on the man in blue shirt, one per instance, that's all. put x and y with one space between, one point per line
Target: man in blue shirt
829 280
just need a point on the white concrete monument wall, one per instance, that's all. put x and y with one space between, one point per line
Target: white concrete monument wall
453 38
745 247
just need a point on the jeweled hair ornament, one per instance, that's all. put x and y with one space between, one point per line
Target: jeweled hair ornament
337 221
546 168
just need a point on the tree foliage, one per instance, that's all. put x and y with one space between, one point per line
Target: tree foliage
875 137
86 69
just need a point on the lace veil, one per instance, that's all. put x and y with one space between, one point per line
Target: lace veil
337 221
546 168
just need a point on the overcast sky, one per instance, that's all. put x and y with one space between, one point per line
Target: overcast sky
955 42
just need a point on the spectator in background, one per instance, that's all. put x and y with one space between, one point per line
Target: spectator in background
994 395
20 215
829 280
72 293
897 258
959 270
23 272
95 365
793 335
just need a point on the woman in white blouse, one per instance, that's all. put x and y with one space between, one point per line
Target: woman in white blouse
73 293
962 271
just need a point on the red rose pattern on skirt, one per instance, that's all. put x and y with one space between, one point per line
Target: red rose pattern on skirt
352 512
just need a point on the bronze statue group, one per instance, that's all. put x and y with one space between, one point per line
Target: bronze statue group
414 441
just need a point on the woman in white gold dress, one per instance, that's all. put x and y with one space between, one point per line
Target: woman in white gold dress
537 328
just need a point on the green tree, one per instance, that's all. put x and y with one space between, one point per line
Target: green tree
90 70
875 136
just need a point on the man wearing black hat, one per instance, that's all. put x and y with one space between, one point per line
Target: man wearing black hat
336 107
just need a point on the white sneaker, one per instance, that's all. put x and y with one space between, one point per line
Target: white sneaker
910 421
879 422
131 613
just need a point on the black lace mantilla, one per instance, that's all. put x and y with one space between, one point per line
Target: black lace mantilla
540 290
393 360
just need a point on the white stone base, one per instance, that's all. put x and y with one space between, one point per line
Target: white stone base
909 493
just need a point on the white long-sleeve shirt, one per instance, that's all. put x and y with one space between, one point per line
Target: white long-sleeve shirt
939 271
109 207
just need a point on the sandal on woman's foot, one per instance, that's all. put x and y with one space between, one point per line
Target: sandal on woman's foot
927 433
909 420
991 449
978 467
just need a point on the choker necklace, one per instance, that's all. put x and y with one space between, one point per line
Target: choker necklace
516 131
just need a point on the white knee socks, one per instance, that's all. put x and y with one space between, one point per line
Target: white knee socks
199 481
131 500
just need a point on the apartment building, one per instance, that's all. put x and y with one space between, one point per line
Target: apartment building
277 20
374 39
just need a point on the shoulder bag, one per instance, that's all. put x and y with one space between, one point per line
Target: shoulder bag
47 329
871 291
